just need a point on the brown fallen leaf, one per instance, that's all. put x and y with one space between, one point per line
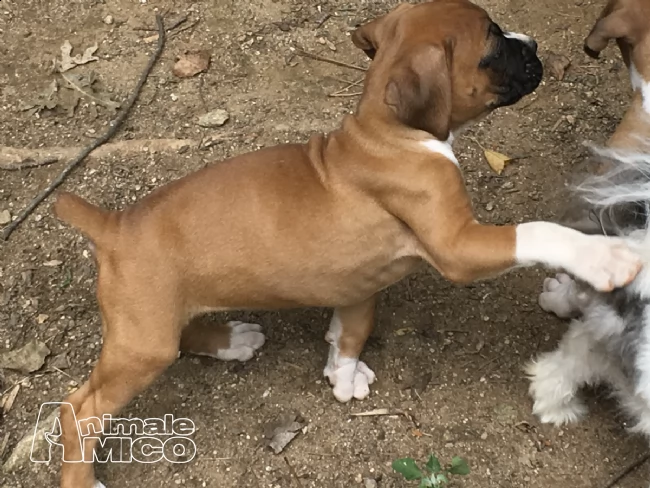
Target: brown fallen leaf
9 399
191 63
68 62
281 433
496 160
557 64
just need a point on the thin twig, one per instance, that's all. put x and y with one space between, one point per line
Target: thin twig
28 164
113 128
329 60
58 370
349 85
169 28
628 470
187 27
334 95
293 472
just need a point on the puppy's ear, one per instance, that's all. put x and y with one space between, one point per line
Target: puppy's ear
612 25
420 90
369 36
365 38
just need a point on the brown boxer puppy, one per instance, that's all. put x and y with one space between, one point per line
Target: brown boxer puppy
327 223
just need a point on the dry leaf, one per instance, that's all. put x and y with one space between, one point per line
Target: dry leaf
191 63
496 160
47 99
9 400
68 62
557 64
281 433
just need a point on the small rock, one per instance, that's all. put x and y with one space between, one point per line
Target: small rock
358 478
27 359
108 20
61 361
571 119
369 483
31 445
174 97
489 207
216 118
508 185
5 217
484 436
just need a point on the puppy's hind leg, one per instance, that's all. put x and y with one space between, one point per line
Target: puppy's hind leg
349 330
140 342
557 376
227 342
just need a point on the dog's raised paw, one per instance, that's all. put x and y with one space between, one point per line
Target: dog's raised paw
350 378
245 339
607 264
559 296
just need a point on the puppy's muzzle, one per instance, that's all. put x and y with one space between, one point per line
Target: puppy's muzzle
523 70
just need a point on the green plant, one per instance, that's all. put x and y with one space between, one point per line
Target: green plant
436 476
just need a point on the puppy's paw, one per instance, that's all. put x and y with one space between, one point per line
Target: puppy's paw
606 263
350 378
560 414
99 484
559 296
553 392
245 339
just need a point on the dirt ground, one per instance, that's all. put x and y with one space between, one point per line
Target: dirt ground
450 356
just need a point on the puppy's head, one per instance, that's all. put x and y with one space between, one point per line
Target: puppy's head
441 64
627 22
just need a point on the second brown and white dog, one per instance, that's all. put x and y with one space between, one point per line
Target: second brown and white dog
609 339
328 223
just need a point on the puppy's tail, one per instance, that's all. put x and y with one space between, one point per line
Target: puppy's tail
88 218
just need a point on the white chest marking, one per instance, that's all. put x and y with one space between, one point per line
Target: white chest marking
442 147
638 83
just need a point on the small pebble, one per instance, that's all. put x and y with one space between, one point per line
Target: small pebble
108 20
369 483
216 118
489 207
5 217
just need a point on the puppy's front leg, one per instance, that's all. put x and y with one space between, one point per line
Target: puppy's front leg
439 212
349 329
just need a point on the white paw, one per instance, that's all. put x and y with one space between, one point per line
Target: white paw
559 296
350 378
554 393
605 263
98 484
245 339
